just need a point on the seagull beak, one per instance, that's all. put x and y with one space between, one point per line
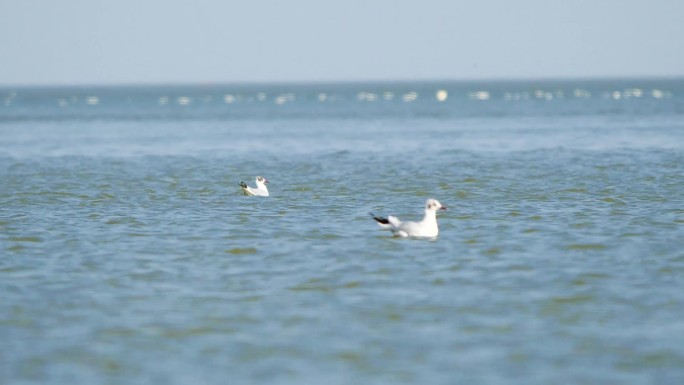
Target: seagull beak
443 208
265 180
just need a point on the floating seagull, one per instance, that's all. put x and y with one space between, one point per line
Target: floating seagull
260 189
425 228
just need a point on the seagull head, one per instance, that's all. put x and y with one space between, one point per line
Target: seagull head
261 180
434 205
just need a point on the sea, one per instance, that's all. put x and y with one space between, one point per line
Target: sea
129 255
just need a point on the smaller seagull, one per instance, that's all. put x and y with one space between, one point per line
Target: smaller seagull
260 190
426 228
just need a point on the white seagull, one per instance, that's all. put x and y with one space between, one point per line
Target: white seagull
260 190
426 228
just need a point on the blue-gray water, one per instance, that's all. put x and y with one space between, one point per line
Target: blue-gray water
128 255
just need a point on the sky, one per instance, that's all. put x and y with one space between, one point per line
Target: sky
92 42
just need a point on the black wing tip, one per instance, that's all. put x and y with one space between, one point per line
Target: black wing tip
382 220
243 184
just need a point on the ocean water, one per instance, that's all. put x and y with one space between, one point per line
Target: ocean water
129 256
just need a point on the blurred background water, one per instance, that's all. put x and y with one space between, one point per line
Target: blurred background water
129 255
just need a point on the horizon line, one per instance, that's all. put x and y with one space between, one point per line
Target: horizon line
222 83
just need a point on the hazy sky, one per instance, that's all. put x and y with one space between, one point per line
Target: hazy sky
213 41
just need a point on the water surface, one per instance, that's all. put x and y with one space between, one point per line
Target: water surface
129 255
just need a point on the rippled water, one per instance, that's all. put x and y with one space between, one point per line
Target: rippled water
129 255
